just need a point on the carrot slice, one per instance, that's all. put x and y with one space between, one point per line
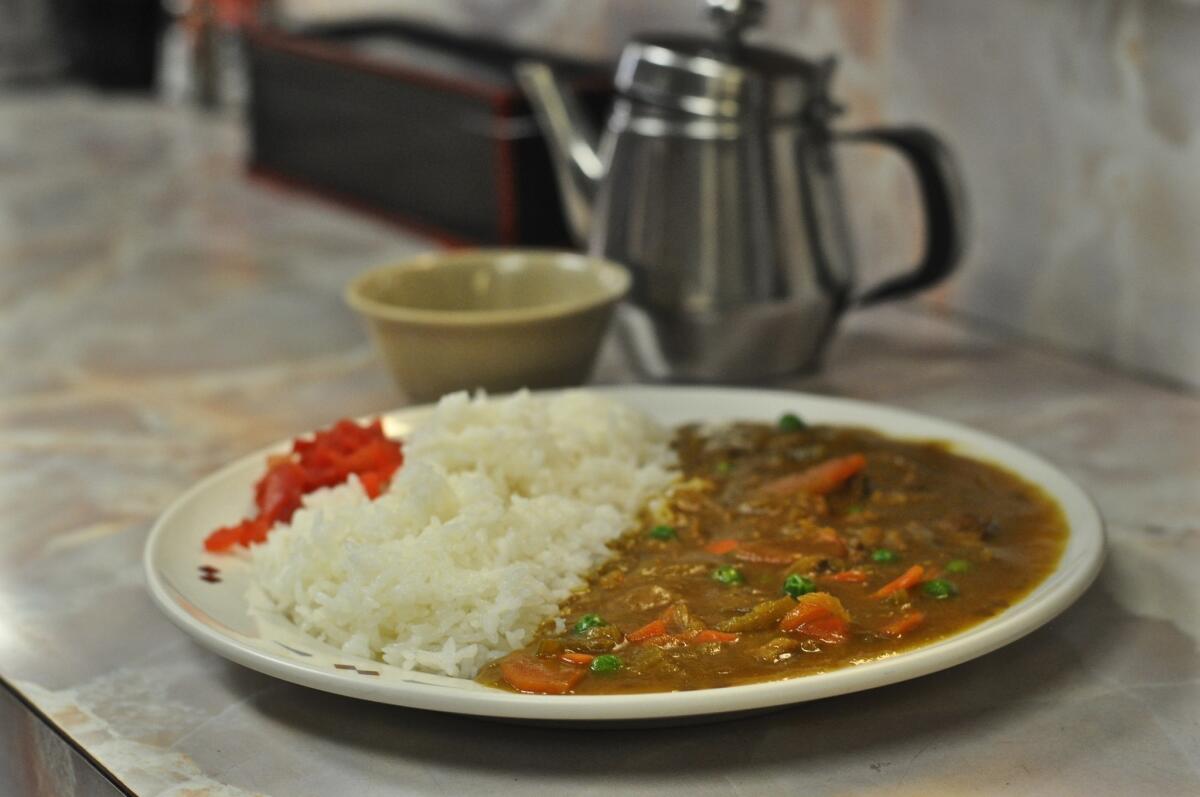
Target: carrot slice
849 577
819 624
721 546
527 673
708 635
903 624
648 631
818 615
577 658
912 576
829 629
819 479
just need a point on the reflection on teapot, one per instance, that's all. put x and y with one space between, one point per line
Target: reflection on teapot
715 183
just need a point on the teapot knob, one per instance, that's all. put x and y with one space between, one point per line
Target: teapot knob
734 16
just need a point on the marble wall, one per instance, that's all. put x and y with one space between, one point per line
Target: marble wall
1077 123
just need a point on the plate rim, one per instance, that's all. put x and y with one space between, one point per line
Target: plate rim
1022 618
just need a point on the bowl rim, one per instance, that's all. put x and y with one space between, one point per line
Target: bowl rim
615 282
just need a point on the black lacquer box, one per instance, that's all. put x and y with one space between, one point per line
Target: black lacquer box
421 127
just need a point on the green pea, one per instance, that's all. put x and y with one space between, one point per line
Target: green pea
607 663
958 566
724 467
940 589
884 556
663 533
791 423
728 574
854 509
588 621
796 586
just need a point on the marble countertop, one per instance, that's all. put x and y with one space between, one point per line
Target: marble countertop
161 315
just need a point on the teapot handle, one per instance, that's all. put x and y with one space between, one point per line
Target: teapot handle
945 208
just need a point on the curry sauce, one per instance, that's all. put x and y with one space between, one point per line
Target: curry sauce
787 550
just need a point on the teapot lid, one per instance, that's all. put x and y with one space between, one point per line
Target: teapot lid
723 76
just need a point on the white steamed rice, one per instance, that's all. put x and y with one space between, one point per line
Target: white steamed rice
501 507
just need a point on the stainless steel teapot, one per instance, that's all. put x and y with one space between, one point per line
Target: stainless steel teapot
716 184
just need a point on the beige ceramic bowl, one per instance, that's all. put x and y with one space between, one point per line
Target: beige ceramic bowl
499 319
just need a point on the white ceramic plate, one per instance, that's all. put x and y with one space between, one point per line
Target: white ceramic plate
206 594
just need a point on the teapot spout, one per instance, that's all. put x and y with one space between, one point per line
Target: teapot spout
572 141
